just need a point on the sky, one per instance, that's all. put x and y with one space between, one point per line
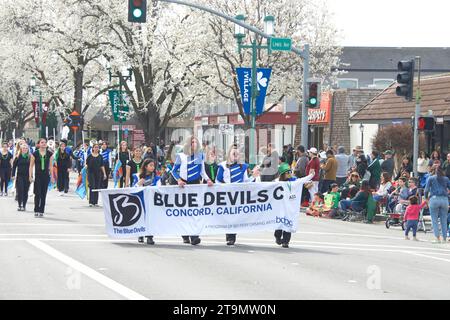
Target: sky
375 22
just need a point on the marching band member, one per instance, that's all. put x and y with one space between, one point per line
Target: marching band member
189 168
95 169
5 169
148 177
211 166
233 171
124 156
21 172
41 164
133 167
106 155
63 163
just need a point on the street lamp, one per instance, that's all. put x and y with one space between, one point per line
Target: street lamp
361 128
283 129
36 90
269 25
239 34
122 80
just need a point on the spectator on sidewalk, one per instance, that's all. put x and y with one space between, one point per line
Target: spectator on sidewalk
422 164
313 167
388 164
361 166
446 166
330 169
436 193
342 166
406 167
269 166
375 170
384 188
302 162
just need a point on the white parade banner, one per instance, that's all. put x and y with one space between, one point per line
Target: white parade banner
202 210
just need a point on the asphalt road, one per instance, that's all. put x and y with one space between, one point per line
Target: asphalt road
67 255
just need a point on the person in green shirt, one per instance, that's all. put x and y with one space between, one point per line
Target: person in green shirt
332 201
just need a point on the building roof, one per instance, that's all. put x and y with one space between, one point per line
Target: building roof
386 58
387 106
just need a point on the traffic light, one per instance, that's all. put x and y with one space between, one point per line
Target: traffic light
426 124
137 11
405 79
313 95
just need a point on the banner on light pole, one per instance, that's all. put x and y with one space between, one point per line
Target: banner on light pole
245 86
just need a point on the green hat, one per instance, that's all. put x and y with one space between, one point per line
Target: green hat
389 152
283 168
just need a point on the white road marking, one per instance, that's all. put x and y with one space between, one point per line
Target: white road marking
50 224
426 256
52 235
216 240
91 273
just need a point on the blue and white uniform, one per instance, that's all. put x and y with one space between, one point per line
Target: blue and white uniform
232 173
235 173
150 181
190 169
106 155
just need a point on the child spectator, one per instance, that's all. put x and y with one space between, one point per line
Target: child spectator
316 207
412 217
332 201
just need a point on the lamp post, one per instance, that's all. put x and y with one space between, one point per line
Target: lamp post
36 90
361 128
283 129
239 34
122 80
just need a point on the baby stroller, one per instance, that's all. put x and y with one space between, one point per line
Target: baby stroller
395 219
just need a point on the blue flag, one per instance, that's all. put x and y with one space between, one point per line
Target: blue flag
117 173
81 190
245 86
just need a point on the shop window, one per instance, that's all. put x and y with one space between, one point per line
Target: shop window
382 83
348 83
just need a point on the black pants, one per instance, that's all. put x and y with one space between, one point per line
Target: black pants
326 185
63 180
104 183
5 176
192 237
40 192
22 187
284 236
95 180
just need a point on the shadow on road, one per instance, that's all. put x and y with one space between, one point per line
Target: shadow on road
56 219
239 248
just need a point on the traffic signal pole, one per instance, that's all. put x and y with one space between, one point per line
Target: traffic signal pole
304 54
304 117
416 120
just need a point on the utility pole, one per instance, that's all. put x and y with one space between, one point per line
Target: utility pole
416 119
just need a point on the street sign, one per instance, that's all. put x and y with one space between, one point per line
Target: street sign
280 44
114 99
226 129
74 120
